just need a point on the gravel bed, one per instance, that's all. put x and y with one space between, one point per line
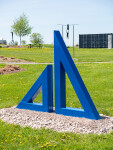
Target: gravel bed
59 123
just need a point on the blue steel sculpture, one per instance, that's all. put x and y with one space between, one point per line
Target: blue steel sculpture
64 63
45 81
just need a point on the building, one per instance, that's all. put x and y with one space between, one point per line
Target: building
3 42
96 40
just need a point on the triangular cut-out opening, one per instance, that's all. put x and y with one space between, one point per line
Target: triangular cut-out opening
37 98
71 97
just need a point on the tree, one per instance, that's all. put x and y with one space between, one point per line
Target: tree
21 27
15 43
36 39
23 42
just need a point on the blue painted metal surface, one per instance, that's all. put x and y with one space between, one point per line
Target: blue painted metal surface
64 63
46 81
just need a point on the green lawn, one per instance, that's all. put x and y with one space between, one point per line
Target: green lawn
31 54
14 137
14 86
98 80
93 55
47 54
97 77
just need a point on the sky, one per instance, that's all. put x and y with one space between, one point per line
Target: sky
92 17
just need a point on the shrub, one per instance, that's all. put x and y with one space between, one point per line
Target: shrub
15 43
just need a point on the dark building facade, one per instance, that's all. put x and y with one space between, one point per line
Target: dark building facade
94 40
3 42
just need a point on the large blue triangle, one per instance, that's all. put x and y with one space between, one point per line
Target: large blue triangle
64 63
45 81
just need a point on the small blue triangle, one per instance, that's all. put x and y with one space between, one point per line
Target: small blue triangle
64 63
45 81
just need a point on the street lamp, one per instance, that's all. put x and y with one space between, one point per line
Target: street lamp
73 40
12 42
67 34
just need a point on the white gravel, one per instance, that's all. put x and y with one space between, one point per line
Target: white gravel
59 123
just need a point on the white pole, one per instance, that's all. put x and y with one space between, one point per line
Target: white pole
73 43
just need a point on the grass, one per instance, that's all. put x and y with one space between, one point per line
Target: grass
2 65
93 55
48 45
14 86
14 137
98 80
30 54
47 54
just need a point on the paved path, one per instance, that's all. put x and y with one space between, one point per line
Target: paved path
95 62
34 63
